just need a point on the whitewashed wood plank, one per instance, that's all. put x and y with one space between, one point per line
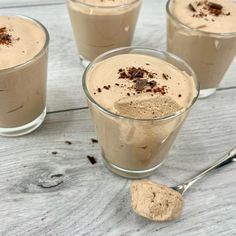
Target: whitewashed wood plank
65 72
92 201
26 3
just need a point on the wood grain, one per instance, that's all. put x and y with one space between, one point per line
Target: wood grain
65 71
89 200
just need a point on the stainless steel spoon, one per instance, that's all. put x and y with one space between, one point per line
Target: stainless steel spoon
226 159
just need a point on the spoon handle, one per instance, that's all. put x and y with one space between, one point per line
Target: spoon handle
226 159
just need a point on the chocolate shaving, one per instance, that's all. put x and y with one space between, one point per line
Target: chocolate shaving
214 8
131 73
5 38
136 72
152 83
94 140
3 30
92 159
160 90
140 84
165 76
215 5
68 142
123 75
191 7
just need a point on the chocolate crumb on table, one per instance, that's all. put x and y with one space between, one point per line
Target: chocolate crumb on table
94 140
92 159
68 142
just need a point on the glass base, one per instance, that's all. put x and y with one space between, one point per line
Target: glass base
129 173
204 93
25 129
84 62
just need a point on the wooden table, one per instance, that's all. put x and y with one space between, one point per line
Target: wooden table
87 199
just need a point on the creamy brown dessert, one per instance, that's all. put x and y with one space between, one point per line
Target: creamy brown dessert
203 33
102 25
23 71
155 201
138 87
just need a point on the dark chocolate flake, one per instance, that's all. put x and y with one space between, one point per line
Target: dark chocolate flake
140 84
152 83
215 5
191 7
94 140
92 159
68 142
165 76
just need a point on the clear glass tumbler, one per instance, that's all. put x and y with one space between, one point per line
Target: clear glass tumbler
135 148
23 92
100 27
209 54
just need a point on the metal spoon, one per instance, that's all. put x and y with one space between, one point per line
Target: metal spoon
226 159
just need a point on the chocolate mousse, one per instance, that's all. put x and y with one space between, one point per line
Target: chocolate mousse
203 33
138 104
23 72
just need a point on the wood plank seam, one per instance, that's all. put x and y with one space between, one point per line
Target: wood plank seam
34 5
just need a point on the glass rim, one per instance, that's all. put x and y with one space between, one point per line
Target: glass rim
106 111
42 50
105 7
214 34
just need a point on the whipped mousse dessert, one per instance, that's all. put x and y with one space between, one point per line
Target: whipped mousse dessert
203 33
23 74
138 103
155 201
101 25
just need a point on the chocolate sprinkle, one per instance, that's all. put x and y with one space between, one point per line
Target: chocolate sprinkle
107 87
